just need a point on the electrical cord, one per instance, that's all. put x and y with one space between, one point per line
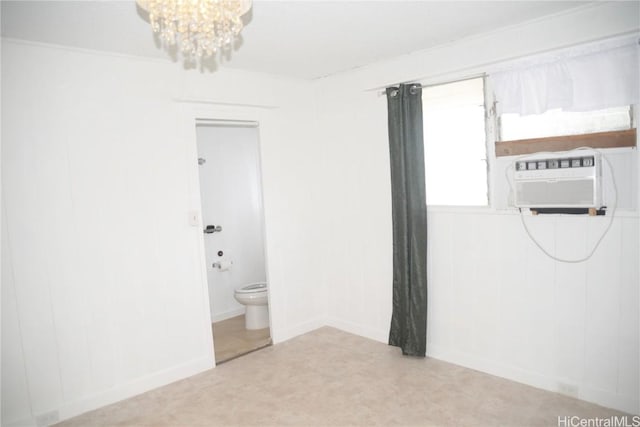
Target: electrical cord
604 233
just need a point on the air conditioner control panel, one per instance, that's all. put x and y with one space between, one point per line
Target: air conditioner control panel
530 164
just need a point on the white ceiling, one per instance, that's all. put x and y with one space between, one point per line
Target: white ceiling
306 39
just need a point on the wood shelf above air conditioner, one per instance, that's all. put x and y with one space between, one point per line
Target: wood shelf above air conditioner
613 139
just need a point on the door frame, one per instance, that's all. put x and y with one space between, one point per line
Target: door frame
190 114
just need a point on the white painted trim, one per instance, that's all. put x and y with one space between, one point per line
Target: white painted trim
300 329
86 51
487 366
610 400
224 104
191 113
599 397
227 314
586 393
125 391
191 158
25 422
151 59
352 328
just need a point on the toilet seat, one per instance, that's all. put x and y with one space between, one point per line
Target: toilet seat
253 288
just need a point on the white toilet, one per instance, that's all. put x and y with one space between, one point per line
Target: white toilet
254 298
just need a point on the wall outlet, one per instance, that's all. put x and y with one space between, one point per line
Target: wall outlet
47 419
568 389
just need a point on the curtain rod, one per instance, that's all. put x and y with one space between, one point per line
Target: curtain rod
383 90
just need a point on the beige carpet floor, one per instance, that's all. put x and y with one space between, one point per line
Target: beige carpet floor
331 378
232 339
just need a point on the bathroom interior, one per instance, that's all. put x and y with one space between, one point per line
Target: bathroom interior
233 233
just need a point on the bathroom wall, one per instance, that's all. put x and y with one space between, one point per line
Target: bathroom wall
103 281
231 195
496 303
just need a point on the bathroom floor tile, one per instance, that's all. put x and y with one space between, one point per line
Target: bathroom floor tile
231 339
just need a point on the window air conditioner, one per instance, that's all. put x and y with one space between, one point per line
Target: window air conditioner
559 180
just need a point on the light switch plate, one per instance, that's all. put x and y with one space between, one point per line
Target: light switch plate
194 218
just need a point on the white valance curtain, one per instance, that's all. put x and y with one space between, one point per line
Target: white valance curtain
593 81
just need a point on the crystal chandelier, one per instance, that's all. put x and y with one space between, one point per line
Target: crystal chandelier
200 27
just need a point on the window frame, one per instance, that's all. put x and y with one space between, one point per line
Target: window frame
490 137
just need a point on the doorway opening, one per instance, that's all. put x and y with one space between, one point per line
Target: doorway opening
234 243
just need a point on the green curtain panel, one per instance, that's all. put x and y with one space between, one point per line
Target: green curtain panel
409 212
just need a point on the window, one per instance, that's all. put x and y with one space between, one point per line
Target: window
455 143
574 98
557 122
557 130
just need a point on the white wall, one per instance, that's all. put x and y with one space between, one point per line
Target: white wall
231 195
496 303
103 286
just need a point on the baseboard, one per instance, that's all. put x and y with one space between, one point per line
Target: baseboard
599 397
302 328
584 392
610 400
491 367
26 422
227 314
363 331
158 379
121 392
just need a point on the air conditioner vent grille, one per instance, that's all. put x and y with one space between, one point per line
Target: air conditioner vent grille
564 193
